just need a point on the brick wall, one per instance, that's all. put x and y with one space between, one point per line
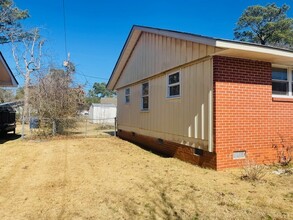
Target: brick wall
246 118
171 149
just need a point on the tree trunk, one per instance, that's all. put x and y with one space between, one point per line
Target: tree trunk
26 97
25 104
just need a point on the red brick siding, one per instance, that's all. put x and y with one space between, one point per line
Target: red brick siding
245 116
171 149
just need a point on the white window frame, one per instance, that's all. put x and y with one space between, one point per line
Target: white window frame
142 96
289 80
127 95
173 84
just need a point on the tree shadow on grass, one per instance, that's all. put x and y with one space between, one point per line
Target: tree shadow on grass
8 137
154 201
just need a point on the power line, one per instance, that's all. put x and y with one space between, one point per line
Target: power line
65 31
96 77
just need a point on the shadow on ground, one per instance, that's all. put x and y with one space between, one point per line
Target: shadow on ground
152 150
111 133
158 153
8 137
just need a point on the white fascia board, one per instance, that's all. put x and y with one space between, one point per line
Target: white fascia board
253 48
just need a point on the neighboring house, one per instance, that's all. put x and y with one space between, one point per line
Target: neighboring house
7 78
102 113
204 100
7 113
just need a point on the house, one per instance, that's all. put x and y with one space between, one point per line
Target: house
7 113
204 100
7 78
102 113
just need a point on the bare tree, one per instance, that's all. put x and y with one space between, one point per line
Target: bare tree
27 55
56 100
6 95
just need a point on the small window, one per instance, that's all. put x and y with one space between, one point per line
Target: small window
173 85
280 82
145 96
127 95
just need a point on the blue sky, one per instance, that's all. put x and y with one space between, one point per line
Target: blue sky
97 30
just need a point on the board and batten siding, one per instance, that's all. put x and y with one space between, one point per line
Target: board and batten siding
154 54
183 120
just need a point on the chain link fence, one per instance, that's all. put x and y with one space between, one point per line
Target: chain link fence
81 126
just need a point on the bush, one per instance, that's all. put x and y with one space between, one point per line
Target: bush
252 171
284 151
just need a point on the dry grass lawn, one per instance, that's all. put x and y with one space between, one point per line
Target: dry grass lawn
107 178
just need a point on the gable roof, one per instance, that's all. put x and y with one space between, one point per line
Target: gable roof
231 48
7 78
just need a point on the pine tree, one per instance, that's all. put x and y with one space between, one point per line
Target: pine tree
266 25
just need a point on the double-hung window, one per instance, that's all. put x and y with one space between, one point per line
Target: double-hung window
282 80
127 95
173 85
145 96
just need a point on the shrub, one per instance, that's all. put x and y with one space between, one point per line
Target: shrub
252 171
284 151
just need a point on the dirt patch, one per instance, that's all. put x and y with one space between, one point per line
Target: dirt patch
107 178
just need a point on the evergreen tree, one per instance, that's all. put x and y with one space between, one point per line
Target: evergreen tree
99 91
10 17
266 25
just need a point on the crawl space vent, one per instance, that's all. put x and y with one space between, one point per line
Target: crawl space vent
239 155
198 152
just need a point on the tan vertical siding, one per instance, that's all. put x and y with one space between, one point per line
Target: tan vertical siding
184 119
154 54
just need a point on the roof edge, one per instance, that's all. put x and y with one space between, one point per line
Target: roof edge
216 42
120 56
214 38
14 81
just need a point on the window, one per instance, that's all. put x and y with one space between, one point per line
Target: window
127 95
145 96
282 81
173 89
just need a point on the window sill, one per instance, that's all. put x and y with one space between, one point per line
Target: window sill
282 99
173 97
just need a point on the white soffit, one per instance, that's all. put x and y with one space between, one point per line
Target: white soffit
266 57
7 78
255 52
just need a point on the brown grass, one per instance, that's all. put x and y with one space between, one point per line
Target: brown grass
107 178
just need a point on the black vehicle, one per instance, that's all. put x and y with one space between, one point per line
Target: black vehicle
7 119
